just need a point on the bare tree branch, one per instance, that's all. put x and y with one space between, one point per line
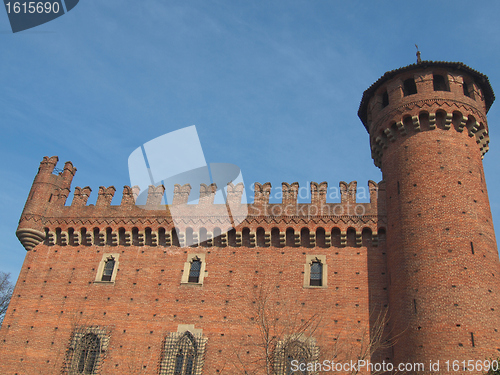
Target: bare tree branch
281 323
6 289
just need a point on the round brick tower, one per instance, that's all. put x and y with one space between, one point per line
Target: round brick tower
428 134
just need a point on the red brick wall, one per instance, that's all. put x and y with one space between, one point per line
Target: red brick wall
55 293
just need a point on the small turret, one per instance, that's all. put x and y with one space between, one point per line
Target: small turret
48 191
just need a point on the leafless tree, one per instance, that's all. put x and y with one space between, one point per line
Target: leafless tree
6 289
281 323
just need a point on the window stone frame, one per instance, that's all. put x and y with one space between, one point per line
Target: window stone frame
100 268
307 271
171 345
187 269
73 352
280 352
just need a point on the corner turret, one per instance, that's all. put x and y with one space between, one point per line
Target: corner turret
48 191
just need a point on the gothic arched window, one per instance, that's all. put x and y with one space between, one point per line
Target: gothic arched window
90 349
87 351
295 355
183 353
185 357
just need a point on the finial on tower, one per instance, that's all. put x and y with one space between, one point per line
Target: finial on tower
419 60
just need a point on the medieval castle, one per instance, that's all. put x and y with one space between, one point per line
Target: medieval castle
412 278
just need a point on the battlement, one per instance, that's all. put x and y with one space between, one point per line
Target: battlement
426 96
418 118
47 211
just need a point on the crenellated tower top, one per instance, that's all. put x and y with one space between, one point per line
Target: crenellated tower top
424 96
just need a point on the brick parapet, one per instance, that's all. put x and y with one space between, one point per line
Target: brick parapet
45 215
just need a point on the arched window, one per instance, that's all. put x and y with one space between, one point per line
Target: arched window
183 354
87 353
109 267
440 83
295 351
194 271
185 357
409 87
316 273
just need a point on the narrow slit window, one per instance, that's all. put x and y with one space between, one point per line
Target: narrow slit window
472 247
109 267
316 274
194 271
465 86
385 99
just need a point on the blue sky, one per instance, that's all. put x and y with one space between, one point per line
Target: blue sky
272 86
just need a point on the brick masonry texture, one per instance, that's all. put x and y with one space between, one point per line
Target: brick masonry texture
424 248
